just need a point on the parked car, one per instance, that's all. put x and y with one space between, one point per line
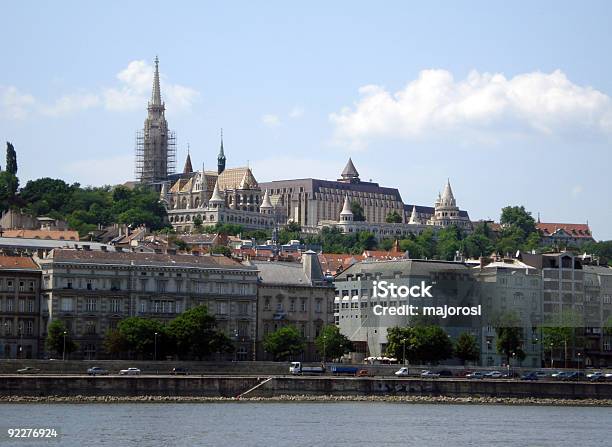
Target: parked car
576 376
402 372
363 373
179 371
96 371
445 373
596 376
494 375
511 375
561 375
130 372
530 376
608 377
542 374
28 370
476 375
429 375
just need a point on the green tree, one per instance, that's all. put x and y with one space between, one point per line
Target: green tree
421 343
55 339
518 217
139 337
427 241
11 159
560 330
197 224
509 337
196 335
357 210
414 250
466 348
448 243
8 187
284 343
480 242
221 250
393 217
332 344
115 344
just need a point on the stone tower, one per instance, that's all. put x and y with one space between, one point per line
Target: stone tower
155 144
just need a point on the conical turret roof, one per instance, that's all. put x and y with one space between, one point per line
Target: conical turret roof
188 169
349 170
447 196
266 203
346 209
216 195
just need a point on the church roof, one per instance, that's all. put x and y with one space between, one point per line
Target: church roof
237 178
349 170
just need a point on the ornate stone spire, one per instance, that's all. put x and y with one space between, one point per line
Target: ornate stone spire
188 169
156 95
221 157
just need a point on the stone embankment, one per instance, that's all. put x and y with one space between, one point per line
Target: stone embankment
79 399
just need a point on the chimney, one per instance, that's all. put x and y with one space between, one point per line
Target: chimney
312 267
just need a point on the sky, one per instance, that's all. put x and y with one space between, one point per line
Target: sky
511 101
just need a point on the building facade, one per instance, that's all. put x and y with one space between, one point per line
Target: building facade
290 293
452 284
20 308
92 291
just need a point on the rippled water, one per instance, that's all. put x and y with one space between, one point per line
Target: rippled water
310 424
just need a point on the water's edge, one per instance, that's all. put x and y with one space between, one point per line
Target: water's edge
472 400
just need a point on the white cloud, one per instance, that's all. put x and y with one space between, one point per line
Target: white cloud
270 120
482 106
71 103
296 112
15 104
136 82
131 93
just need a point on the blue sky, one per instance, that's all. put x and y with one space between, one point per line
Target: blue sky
511 100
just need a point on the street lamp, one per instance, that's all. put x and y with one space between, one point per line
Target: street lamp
552 360
324 347
64 349
579 360
404 351
155 349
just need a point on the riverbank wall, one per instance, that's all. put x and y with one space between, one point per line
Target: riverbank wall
271 386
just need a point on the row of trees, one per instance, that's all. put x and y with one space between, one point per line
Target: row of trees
191 335
287 343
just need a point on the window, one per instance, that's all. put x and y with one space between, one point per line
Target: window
21 286
292 306
9 285
161 286
143 284
91 305
318 306
8 327
22 305
143 306
267 304
279 305
89 285
303 305
29 329
66 305
31 286
9 304
30 305
221 307
243 308
115 305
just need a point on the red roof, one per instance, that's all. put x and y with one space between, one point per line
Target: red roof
575 230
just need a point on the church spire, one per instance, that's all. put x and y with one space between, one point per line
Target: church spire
221 157
188 169
156 95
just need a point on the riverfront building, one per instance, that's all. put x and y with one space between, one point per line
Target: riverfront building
290 293
21 320
92 291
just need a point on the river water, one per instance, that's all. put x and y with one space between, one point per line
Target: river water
309 424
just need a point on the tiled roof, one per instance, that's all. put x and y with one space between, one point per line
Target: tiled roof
17 262
145 259
57 235
574 230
